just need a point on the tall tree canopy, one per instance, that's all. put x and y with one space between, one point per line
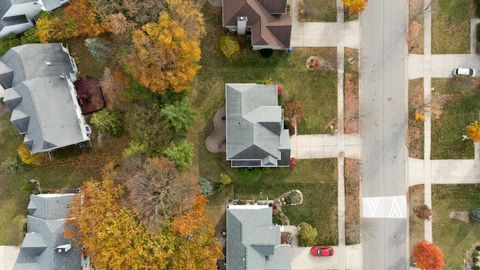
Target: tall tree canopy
164 57
110 234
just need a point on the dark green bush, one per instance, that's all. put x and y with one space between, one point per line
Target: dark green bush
206 186
475 215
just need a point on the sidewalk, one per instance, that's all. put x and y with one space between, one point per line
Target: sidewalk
8 256
461 171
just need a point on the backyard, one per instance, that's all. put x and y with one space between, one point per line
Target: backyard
455 104
452 236
451 26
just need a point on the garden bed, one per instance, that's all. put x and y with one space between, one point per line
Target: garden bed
352 201
415 37
351 92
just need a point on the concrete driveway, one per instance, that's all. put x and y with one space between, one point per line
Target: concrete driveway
8 256
345 257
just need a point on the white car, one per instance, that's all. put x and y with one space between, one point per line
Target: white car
469 72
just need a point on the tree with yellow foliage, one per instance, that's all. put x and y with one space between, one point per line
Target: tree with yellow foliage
355 6
200 251
26 157
164 55
110 234
473 131
189 16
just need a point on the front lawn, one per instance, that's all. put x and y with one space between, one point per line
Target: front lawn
320 10
451 26
317 91
316 179
452 236
455 104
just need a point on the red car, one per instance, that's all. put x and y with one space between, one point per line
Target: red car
321 251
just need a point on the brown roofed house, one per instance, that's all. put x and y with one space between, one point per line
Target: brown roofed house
267 21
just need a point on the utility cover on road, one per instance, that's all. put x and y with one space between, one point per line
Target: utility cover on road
384 207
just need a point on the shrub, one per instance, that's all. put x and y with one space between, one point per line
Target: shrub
181 154
108 122
139 93
29 188
266 52
423 212
293 163
477 248
428 256
475 216
475 260
229 46
26 157
476 267
251 174
225 179
206 186
135 148
307 234
11 165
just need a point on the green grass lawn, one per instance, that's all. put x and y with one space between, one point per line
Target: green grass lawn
451 26
452 236
320 11
317 179
458 104
415 127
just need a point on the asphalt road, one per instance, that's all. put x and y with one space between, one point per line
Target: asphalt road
383 125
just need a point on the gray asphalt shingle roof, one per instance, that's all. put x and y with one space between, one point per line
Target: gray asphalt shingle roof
253 242
254 125
39 91
45 227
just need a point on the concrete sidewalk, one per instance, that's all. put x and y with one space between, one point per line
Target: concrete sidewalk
325 146
8 256
324 34
460 171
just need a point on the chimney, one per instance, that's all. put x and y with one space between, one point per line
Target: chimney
241 25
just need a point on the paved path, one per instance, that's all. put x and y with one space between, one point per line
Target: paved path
346 257
383 103
325 146
460 171
324 34
8 256
441 65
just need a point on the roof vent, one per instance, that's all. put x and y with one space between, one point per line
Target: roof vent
63 248
48 63
62 76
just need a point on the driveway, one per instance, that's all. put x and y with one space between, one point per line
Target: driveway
8 256
345 257
383 101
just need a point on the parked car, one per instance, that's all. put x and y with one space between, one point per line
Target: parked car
469 72
321 251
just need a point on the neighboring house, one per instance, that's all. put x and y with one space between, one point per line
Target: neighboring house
253 242
44 246
266 21
18 15
256 136
38 82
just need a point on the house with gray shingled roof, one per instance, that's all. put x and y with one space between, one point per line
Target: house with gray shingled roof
255 132
253 242
44 246
17 16
38 82
267 22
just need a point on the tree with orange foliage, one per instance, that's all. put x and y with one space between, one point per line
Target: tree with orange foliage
355 6
164 56
110 234
199 251
186 223
428 256
473 131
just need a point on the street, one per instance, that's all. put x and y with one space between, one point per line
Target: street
383 125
